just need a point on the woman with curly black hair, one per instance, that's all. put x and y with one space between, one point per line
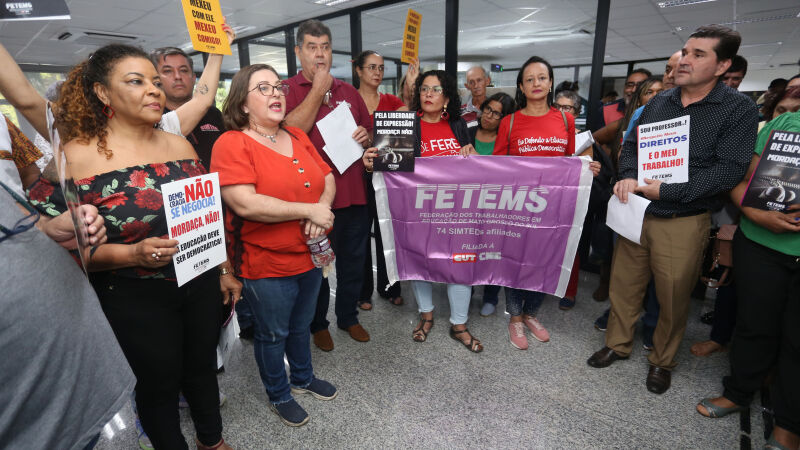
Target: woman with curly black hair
106 114
439 130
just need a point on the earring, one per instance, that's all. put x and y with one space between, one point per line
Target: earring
420 113
445 115
108 111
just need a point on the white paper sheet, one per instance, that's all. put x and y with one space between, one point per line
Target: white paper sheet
337 130
583 141
627 218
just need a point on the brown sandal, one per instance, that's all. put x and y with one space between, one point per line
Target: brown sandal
473 345
419 334
366 306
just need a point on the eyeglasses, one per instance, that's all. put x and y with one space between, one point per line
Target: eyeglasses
267 89
633 84
375 68
492 113
24 224
565 108
434 90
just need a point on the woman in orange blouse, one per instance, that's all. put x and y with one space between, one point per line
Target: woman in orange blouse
278 191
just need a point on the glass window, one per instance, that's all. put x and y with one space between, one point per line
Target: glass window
382 31
270 49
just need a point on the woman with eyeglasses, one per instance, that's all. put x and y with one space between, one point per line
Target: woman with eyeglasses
493 109
368 70
439 130
105 114
536 120
278 191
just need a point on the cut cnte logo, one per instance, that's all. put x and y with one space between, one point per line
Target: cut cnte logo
464 257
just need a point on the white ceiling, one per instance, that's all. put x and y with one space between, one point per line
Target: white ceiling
491 31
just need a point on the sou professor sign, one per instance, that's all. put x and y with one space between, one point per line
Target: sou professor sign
509 221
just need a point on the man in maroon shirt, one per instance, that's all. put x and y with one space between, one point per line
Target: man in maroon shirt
313 94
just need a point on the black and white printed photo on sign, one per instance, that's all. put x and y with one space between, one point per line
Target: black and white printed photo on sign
34 10
394 139
775 184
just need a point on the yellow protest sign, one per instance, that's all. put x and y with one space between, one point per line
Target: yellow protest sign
411 37
204 21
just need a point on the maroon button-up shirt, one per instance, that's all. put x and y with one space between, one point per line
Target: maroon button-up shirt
350 187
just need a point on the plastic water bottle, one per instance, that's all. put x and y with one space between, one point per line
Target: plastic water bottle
321 251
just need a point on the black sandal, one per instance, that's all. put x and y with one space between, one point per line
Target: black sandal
419 334
474 345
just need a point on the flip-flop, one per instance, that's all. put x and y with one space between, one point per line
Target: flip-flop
716 412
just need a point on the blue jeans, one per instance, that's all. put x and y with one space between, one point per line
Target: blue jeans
244 314
519 301
490 294
282 309
458 294
349 242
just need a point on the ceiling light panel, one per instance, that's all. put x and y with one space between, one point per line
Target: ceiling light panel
674 3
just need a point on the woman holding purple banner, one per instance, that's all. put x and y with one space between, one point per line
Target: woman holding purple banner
439 131
537 119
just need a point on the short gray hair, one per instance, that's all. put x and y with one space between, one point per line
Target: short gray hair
312 27
157 55
573 97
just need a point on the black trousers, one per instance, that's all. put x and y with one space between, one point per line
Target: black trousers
169 335
383 279
766 334
348 240
724 313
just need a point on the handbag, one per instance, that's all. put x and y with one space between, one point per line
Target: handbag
721 257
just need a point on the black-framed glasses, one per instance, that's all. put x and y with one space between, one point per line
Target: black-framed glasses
374 68
565 108
434 90
633 84
492 113
24 224
267 89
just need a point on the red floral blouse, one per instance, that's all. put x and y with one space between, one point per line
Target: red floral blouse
129 200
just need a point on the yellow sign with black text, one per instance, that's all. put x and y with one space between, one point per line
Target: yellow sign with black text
204 21
411 37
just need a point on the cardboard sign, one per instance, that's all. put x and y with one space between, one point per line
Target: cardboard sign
394 138
194 219
775 184
664 151
34 10
411 37
204 21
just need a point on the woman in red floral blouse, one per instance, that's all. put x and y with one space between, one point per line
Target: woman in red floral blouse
106 114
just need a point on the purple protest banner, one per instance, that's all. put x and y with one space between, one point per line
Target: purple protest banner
501 220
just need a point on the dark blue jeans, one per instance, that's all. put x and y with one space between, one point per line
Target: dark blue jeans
520 301
282 309
490 293
244 314
349 242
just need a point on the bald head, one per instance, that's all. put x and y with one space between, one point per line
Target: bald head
669 72
477 80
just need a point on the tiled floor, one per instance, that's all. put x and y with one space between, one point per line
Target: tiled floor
396 393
